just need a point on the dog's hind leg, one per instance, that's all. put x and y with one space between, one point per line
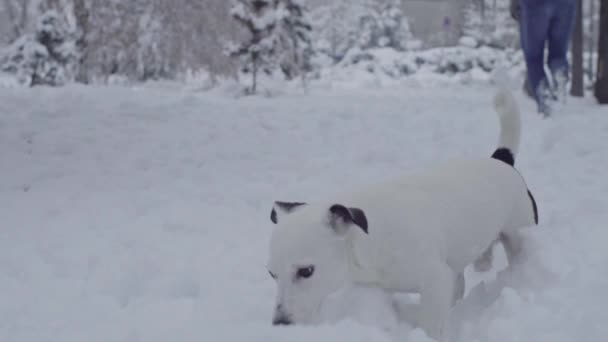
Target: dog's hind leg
513 245
484 262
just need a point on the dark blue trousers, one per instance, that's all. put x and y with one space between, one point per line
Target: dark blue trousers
546 22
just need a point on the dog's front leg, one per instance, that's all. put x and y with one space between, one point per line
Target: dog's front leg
459 287
436 297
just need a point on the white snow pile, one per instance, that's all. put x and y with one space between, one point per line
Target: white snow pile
142 214
8 80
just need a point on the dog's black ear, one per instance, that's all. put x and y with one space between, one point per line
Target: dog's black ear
283 208
341 217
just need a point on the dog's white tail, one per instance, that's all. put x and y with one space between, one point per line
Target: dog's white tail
510 126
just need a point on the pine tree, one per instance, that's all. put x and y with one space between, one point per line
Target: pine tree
395 29
256 54
294 38
384 26
48 57
368 25
472 26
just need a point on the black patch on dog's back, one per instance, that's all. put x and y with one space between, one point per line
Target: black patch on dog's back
533 207
286 207
273 216
504 154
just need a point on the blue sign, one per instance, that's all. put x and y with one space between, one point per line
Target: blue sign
447 23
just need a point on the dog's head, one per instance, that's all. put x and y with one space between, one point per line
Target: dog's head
309 256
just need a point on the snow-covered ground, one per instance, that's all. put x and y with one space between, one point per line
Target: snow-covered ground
142 214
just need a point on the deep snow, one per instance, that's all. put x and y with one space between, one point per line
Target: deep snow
142 214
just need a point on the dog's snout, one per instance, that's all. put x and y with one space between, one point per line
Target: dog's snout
280 318
281 321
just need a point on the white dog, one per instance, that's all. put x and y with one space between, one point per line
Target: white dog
413 234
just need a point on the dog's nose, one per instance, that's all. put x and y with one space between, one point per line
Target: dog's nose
281 321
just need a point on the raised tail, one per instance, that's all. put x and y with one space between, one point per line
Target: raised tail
510 126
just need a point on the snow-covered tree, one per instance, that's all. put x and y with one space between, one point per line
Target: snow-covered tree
473 24
342 25
336 26
47 57
384 25
489 23
295 41
258 52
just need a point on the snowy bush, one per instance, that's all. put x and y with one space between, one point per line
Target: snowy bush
47 57
8 80
386 61
460 62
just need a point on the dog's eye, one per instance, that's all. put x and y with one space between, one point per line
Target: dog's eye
306 272
274 276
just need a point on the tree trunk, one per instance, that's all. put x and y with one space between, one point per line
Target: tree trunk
17 16
25 5
591 42
254 73
601 85
577 54
82 15
12 17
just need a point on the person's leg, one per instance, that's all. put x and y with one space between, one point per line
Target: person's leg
534 27
560 34
527 88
